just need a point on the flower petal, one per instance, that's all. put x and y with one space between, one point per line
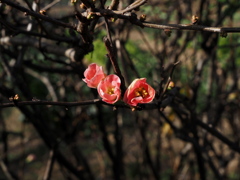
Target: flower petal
109 89
93 75
139 92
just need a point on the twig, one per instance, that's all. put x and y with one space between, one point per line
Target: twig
40 68
114 63
35 14
132 19
5 170
80 158
118 161
54 103
51 5
113 5
71 53
45 81
103 130
50 163
146 149
88 4
218 135
169 80
132 6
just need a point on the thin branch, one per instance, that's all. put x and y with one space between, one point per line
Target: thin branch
132 18
169 78
41 68
118 161
37 15
102 127
70 53
50 163
215 133
54 103
146 149
191 27
45 81
50 5
113 5
114 62
136 4
5 170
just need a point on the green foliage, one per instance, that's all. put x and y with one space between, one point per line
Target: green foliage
144 62
184 75
223 51
225 46
98 55
234 176
203 89
133 170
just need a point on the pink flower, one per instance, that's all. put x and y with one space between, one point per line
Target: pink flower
93 75
109 89
139 92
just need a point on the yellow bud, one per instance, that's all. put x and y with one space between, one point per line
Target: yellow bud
143 17
16 97
194 19
42 12
171 85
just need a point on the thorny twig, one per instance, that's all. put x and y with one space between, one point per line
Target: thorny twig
130 17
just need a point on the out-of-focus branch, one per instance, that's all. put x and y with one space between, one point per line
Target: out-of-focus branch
215 133
51 5
41 68
5 170
136 4
50 163
118 161
30 33
146 149
102 127
70 53
45 81
37 15
88 4
114 4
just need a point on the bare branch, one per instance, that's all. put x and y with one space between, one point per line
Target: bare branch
57 50
5 170
49 167
41 102
45 81
37 15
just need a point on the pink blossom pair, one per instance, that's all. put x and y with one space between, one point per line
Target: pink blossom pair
108 87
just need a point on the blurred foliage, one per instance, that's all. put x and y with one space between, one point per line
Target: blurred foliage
98 55
143 60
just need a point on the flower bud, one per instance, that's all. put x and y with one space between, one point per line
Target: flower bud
93 75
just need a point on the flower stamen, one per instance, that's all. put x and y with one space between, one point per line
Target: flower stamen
141 92
110 91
